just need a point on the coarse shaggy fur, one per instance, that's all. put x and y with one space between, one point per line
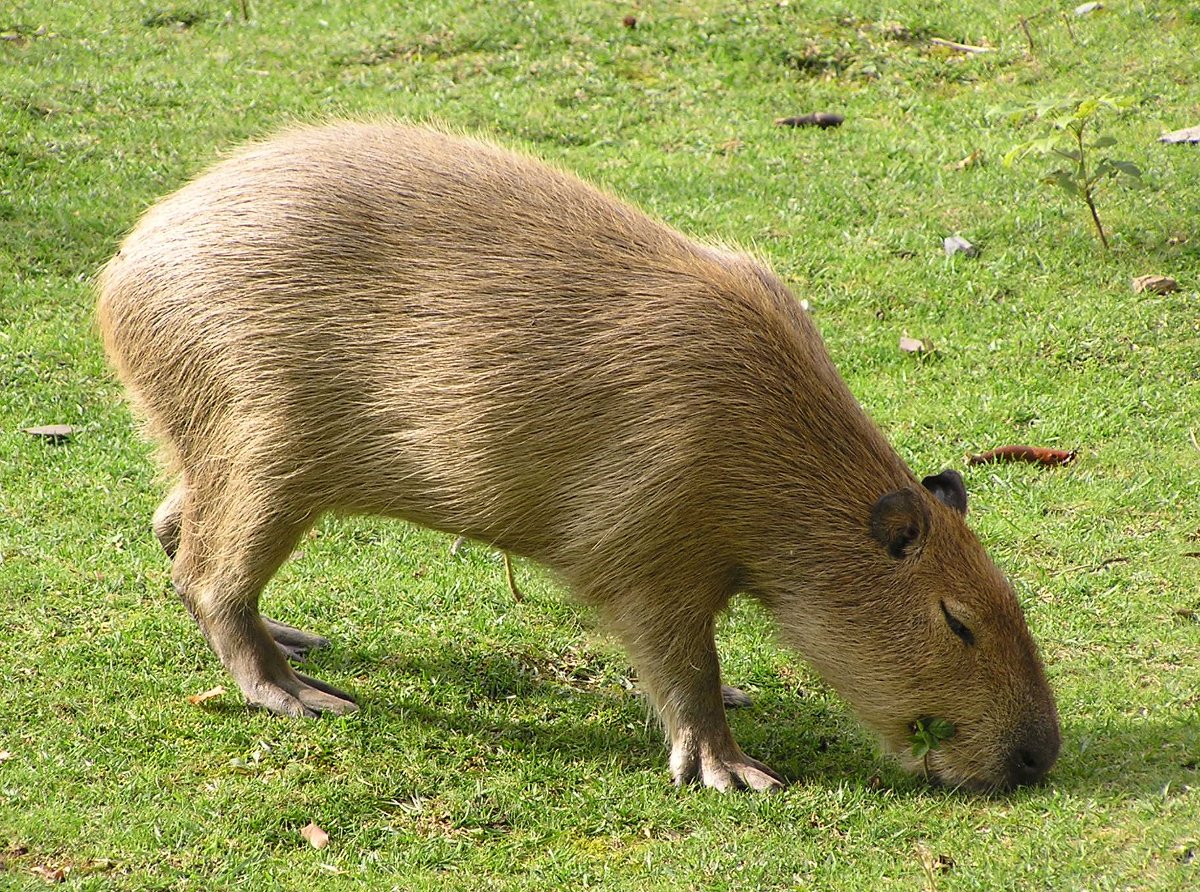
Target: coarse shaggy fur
379 318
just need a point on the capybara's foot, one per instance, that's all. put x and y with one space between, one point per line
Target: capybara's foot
299 696
735 698
296 644
731 770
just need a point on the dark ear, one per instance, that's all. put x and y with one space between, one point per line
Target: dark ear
949 489
899 521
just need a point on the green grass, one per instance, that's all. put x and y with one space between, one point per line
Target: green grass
500 745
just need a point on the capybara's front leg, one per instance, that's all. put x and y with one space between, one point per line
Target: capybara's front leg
677 666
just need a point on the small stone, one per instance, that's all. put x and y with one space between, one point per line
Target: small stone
1188 134
315 836
1155 284
956 244
918 346
1088 8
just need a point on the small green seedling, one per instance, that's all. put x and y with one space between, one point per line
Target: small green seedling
927 736
1085 170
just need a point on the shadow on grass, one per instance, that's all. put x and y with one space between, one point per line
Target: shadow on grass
586 712
1131 757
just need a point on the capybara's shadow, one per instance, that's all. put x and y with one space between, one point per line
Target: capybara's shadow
804 738
798 736
1133 756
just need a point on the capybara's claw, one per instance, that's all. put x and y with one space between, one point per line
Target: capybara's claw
730 771
735 698
296 644
305 697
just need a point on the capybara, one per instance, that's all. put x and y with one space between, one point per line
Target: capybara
387 319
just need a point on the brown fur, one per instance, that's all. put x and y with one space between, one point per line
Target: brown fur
385 319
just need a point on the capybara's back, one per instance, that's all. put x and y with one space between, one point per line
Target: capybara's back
387 319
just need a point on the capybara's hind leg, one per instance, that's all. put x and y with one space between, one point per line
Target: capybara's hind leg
296 644
219 575
168 518
735 698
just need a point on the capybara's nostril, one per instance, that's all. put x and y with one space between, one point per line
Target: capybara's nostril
1034 758
1027 767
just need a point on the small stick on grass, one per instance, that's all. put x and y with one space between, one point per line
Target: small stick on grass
1029 37
961 47
512 580
1067 21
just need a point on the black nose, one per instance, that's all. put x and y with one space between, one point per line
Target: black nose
1034 757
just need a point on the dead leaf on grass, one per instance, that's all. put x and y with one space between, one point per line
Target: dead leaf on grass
956 244
51 875
315 836
975 159
824 120
1038 455
1188 134
933 865
1155 284
52 433
210 694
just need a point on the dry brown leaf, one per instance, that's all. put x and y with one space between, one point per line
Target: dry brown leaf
975 159
210 694
316 837
55 433
1038 455
824 120
52 875
1155 284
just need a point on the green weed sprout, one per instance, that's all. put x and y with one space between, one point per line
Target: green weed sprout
927 736
1081 168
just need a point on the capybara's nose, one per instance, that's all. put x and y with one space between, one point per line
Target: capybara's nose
1034 756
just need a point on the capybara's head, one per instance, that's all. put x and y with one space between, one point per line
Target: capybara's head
927 628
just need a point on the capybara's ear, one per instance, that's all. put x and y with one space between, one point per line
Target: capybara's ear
899 522
949 489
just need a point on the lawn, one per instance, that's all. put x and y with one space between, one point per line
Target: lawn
502 744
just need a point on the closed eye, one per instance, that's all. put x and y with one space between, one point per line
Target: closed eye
957 627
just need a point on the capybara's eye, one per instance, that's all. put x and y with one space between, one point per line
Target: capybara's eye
956 626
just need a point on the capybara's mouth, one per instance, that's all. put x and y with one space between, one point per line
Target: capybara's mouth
940 771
